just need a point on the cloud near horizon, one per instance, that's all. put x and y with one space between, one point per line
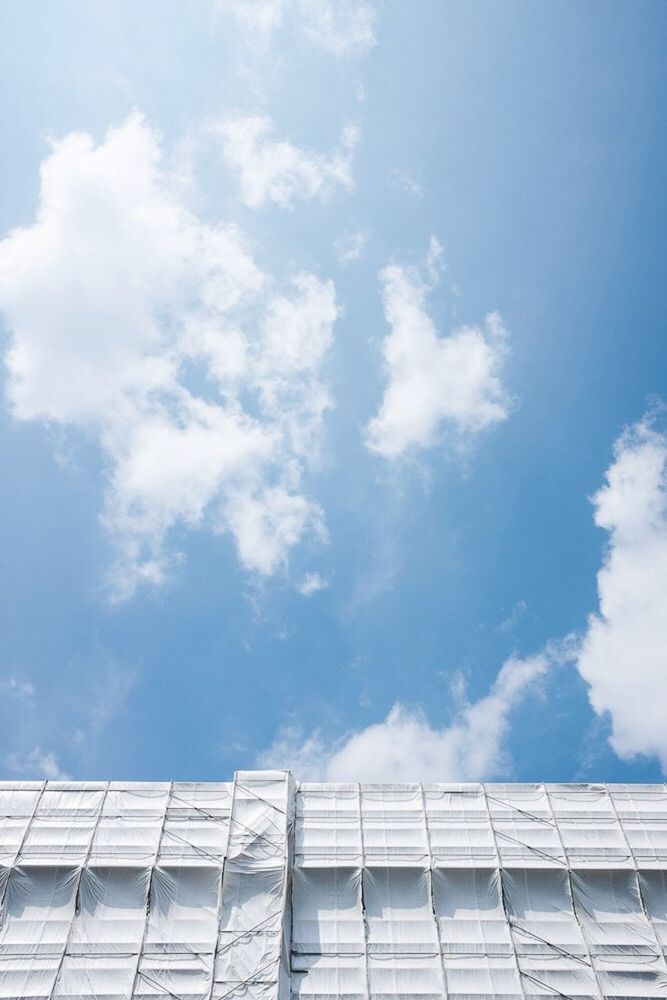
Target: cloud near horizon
406 747
135 323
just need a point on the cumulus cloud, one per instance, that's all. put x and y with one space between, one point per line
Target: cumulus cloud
434 383
276 170
340 27
623 654
406 747
156 334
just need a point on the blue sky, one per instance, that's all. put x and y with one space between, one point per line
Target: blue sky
331 330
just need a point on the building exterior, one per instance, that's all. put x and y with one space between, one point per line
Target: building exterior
262 888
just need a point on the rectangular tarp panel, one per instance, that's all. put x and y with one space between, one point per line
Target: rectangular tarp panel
405 976
250 924
653 887
38 910
111 912
130 825
64 822
326 911
469 909
642 810
399 910
31 978
526 831
187 977
197 822
540 908
475 977
104 977
609 909
393 824
459 827
328 825
589 826
257 830
549 976
183 912
17 804
625 976
329 977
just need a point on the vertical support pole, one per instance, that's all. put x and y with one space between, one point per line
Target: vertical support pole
502 893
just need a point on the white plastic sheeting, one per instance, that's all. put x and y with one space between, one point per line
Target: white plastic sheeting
459 825
471 892
111 911
251 958
258 890
38 910
327 912
18 801
183 912
328 826
469 908
116 890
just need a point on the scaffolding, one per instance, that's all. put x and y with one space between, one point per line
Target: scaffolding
263 889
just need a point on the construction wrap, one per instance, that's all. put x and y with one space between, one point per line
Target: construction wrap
263 890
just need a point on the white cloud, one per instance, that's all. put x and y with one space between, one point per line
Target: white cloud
434 383
311 584
277 170
406 747
408 180
510 623
350 247
261 17
140 325
36 763
623 655
340 27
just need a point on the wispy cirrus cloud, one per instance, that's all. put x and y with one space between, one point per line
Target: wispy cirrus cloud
137 324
